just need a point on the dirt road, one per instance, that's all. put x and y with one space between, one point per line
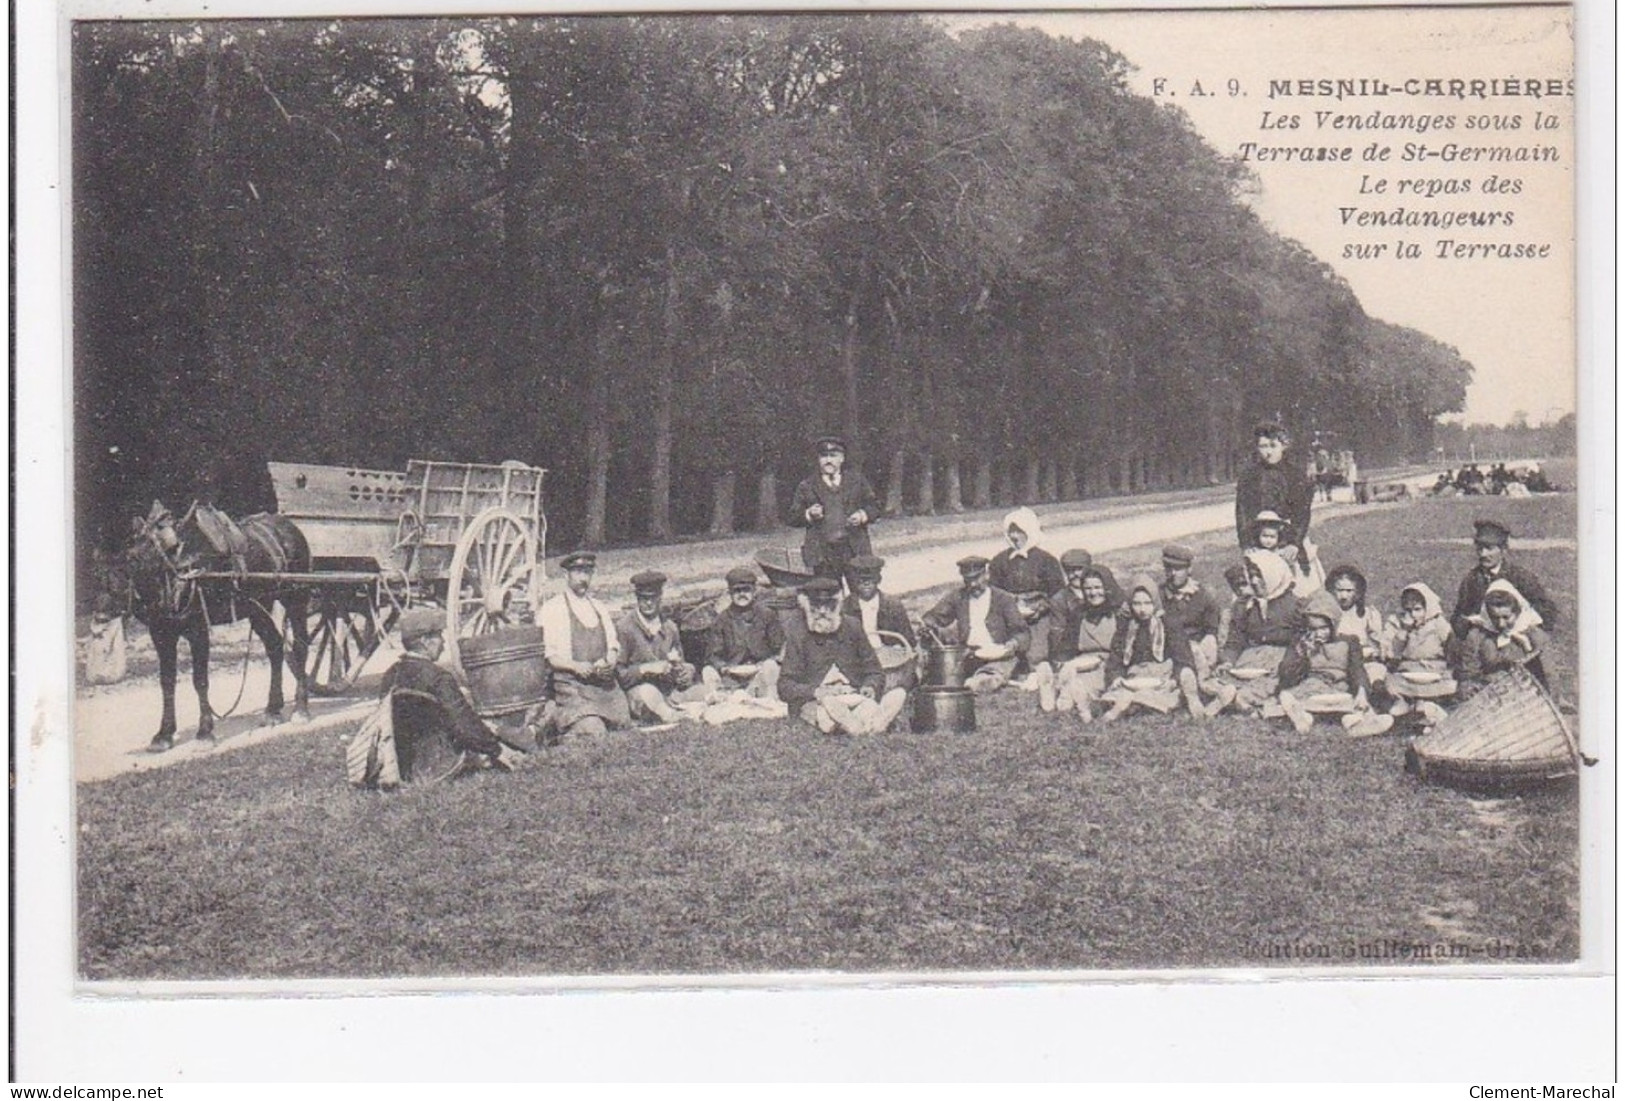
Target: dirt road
113 723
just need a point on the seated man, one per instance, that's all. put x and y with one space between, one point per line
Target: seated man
1495 563
984 619
453 721
583 649
831 678
742 651
877 612
652 670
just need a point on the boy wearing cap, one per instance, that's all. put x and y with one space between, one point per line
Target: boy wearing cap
836 506
418 672
831 677
583 649
1495 563
1189 608
986 620
743 647
1270 483
652 671
878 611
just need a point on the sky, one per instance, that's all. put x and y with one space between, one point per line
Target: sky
1513 319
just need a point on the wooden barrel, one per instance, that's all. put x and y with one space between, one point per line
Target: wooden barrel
1509 734
939 709
506 670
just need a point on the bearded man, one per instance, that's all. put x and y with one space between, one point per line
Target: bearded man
831 678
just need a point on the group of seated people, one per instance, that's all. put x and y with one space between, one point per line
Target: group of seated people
1501 481
1291 641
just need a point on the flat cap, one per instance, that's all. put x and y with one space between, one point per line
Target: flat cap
1490 533
740 577
828 445
972 563
1077 560
1177 554
648 581
580 560
418 622
866 565
821 588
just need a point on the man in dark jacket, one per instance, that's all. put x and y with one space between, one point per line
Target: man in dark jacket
742 649
652 671
836 506
1490 540
1271 482
984 619
877 612
1189 608
438 709
831 678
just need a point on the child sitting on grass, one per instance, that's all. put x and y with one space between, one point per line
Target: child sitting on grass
1359 620
1260 632
1416 647
1506 632
1150 665
1241 594
1321 665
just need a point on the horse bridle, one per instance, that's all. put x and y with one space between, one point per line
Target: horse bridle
182 595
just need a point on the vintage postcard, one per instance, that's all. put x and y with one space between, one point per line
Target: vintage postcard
1054 503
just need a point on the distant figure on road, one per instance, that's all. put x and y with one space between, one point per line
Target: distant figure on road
1271 484
836 506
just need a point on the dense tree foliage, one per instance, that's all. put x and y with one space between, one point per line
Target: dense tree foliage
656 255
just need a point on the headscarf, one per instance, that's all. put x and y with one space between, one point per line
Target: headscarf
1114 595
1159 630
1526 618
1277 576
1353 575
1027 520
1320 605
1432 607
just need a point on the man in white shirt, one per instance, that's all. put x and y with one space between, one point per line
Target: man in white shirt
878 612
583 649
984 619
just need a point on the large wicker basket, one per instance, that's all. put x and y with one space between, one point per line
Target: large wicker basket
1510 734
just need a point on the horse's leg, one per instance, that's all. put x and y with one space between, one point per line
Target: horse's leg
164 640
296 608
197 637
271 638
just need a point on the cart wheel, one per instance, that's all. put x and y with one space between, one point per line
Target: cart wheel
493 578
343 635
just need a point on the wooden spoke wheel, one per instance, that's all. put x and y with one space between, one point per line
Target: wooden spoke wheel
345 629
494 577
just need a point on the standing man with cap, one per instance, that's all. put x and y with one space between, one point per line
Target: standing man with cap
742 651
1495 563
1270 483
583 649
878 611
984 619
652 671
831 677
1189 608
836 506
418 673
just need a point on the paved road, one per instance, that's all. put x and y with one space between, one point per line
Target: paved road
114 723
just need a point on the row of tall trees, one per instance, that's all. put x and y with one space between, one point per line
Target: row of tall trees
658 254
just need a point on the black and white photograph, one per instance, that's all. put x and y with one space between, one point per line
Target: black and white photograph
691 499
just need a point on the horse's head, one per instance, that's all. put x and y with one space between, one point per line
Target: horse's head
160 572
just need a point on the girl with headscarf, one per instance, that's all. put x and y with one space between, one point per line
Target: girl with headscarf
1149 665
1322 674
1260 632
1028 572
1358 619
1085 623
1416 647
1506 632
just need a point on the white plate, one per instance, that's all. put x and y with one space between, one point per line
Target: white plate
1422 676
1142 684
1330 701
1248 674
989 653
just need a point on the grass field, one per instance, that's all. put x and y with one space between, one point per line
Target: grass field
1035 843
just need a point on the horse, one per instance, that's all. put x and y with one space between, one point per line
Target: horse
165 591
